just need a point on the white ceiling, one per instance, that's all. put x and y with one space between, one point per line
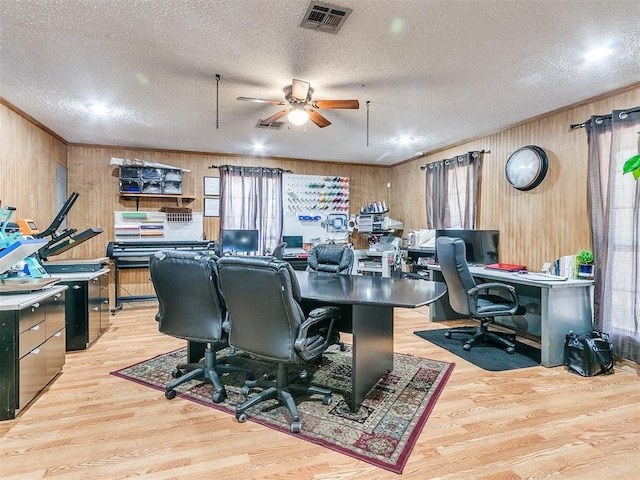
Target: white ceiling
435 72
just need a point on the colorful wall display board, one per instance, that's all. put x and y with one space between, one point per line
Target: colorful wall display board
316 207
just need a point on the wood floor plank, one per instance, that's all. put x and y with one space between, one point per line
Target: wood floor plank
520 424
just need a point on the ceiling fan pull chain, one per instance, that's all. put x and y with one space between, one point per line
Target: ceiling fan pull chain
217 97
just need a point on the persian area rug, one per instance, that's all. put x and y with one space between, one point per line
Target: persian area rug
486 356
383 431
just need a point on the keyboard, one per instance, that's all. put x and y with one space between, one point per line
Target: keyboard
543 277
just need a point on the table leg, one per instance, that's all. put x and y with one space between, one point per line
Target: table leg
563 309
372 349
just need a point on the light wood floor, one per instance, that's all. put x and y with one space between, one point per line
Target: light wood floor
532 423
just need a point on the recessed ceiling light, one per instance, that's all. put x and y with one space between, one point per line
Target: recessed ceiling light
598 53
98 108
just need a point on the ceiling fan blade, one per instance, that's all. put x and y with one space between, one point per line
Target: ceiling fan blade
318 119
276 116
347 104
260 100
300 90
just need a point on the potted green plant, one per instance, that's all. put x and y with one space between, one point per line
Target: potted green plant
585 264
632 166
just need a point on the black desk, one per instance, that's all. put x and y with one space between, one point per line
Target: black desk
371 300
297 263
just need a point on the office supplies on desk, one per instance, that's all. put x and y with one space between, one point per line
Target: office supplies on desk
507 267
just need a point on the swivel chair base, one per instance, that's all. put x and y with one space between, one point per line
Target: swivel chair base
280 389
482 334
209 370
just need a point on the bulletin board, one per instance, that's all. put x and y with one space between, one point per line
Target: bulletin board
315 207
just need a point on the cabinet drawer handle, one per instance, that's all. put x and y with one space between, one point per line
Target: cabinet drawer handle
35 351
76 287
57 295
95 309
35 328
34 306
57 334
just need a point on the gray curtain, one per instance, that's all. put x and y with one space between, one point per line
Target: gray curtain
451 191
251 199
614 204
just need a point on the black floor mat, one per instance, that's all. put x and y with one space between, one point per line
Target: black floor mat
486 356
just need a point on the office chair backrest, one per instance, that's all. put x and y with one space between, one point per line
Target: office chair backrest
190 303
453 264
330 258
262 295
278 252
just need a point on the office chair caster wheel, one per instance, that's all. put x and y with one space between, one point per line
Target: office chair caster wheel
447 334
176 373
296 427
466 347
241 417
326 400
244 391
218 397
511 349
170 394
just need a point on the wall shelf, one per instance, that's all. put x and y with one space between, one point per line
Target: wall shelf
137 196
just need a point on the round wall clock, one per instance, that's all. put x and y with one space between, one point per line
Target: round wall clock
526 167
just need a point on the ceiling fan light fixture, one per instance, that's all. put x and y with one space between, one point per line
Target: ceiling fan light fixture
298 116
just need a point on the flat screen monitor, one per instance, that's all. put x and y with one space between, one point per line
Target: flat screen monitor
481 245
239 241
293 241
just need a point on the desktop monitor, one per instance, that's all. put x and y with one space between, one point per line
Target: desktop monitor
481 245
239 241
293 241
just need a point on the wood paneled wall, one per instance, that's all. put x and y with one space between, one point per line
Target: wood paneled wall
28 159
96 182
536 226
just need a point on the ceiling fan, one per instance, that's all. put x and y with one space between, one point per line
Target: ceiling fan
298 95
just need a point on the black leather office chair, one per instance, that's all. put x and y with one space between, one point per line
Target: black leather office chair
330 258
191 307
278 252
262 295
471 299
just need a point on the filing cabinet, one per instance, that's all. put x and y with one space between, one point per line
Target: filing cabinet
32 345
87 313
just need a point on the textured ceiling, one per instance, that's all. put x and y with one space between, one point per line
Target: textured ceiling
435 72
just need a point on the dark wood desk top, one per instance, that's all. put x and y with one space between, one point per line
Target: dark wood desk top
368 290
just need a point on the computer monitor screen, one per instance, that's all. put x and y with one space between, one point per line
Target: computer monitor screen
239 241
481 245
293 241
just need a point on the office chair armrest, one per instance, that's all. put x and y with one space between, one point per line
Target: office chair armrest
311 341
502 288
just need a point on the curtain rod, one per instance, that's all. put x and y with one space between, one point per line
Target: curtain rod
476 151
285 171
573 126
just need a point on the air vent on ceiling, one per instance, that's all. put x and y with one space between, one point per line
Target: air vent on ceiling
272 125
325 17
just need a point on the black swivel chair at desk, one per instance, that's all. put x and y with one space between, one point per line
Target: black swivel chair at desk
330 258
262 295
191 307
470 299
